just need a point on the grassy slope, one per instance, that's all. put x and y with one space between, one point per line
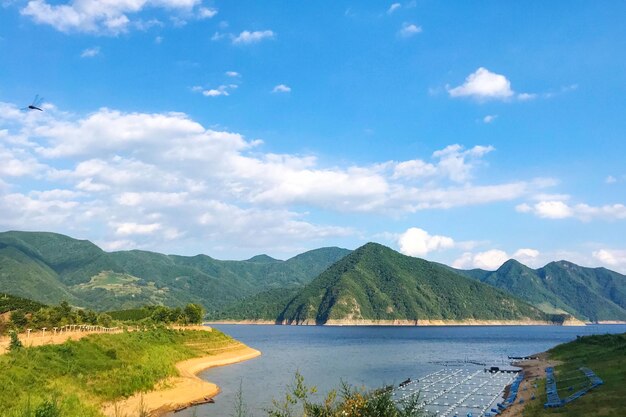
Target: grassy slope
606 356
83 374
378 283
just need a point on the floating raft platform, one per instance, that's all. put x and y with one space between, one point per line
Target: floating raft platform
461 392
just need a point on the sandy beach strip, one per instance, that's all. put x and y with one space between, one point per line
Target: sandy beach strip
180 391
534 370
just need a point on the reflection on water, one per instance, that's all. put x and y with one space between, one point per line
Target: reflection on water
367 356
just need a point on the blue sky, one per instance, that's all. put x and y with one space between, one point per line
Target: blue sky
463 133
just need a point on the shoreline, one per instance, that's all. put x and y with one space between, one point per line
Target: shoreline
182 391
405 323
534 369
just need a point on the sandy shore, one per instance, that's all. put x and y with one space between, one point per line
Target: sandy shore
533 370
182 390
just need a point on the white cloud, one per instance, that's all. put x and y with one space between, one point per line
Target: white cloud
489 260
557 209
127 170
418 242
483 84
526 96
612 258
96 16
232 74
490 118
527 256
610 179
90 52
281 88
206 13
215 92
408 30
452 162
247 37
393 8
130 228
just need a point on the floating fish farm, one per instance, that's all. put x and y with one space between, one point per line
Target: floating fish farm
584 383
461 392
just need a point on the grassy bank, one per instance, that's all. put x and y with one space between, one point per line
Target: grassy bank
606 356
79 376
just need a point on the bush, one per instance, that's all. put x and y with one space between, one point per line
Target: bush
351 402
48 409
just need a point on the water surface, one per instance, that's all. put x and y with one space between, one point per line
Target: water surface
365 356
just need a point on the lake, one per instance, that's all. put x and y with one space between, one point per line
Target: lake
366 356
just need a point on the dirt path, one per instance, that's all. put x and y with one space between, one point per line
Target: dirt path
533 370
180 391
50 337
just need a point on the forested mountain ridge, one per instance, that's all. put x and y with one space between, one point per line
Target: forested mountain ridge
50 267
376 283
592 294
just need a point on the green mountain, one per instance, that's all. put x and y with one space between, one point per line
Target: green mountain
378 283
587 293
49 268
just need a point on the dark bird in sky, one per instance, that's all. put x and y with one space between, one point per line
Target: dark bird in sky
36 104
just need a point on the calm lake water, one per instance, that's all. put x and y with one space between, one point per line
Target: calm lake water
365 356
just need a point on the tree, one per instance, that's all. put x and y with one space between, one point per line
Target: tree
105 320
161 314
19 319
194 313
15 343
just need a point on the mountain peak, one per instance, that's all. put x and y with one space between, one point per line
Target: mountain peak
263 258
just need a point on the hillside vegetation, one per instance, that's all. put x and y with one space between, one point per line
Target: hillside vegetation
77 377
588 293
606 356
50 268
378 283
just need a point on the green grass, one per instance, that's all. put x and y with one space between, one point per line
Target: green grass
81 375
606 356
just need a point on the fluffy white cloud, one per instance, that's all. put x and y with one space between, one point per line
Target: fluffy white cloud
408 30
281 88
247 37
527 256
613 258
610 179
232 74
489 260
489 118
484 84
418 242
557 209
452 162
494 258
129 170
125 229
393 8
206 13
90 52
96 16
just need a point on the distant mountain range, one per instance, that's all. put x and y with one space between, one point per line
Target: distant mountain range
562 287
49 268
326 285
